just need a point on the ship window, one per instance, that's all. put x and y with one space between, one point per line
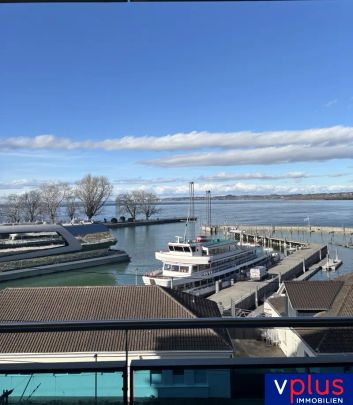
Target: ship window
167 266
186 249
193 248
171 248
195 268
178 248
175 268
184 269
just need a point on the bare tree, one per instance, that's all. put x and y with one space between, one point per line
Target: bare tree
93 191
52 195
128 204
32 205
148 203
70 202
14 208
138 201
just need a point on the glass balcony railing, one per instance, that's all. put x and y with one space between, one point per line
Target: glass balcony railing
231 381
66 383
177 378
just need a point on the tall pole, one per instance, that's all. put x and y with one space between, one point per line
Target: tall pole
192 210
208 221
209 208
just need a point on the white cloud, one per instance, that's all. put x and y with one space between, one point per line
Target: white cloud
141 181
241 188
19 184
260 156
224 176
222 149
337 135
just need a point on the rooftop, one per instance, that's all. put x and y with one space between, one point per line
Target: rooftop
106 303
312 295
328 299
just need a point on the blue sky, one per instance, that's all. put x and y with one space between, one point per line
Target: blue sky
238 97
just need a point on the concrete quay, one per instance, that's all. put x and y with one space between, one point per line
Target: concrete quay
311 271
271 229
127 224
248 294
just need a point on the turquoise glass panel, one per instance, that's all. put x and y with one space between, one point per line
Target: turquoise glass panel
62 388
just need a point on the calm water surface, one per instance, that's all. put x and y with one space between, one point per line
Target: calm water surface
141 242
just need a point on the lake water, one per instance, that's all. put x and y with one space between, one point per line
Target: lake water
141 242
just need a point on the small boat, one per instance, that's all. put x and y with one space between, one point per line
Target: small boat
332 264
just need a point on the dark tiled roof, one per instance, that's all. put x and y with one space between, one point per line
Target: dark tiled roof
329 340
334 340
105 303
199 307
312 295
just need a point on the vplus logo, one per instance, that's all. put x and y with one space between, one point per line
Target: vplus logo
288 389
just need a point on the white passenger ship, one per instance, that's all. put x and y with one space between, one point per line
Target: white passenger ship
196 266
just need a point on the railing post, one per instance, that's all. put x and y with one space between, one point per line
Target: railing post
126 369
95 382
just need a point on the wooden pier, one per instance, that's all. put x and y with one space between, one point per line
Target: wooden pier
249 294
272 229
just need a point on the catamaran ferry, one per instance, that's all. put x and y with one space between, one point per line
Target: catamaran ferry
197 266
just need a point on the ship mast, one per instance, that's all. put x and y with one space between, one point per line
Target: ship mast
192 210
191 213
208 208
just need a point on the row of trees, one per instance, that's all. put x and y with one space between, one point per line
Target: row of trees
89 195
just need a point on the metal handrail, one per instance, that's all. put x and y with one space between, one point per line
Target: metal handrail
175 323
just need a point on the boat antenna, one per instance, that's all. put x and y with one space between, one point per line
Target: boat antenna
191 212
208 209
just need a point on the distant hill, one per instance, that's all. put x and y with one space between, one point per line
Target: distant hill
316 196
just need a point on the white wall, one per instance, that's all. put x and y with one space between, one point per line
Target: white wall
288 339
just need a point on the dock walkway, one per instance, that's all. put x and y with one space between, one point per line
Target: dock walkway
159 221
271 229
248 294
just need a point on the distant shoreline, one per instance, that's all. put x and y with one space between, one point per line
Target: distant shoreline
271 197
348 196
230 197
